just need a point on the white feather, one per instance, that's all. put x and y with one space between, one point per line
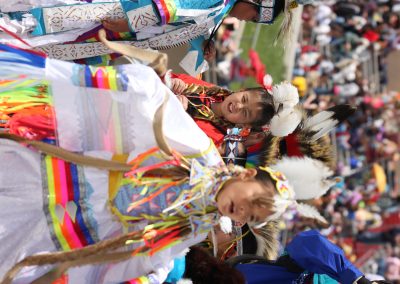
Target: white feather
225 224
314 120
324 128
285 94
285 122
309 178
309 211
321 123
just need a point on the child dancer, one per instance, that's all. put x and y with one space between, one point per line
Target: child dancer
76 98
216 109
79 206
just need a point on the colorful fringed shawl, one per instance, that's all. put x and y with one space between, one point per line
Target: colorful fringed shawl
164 198
26 108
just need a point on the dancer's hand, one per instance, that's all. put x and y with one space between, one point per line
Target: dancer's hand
178 86
184 101
120 25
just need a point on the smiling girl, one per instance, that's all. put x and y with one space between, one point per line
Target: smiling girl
216 109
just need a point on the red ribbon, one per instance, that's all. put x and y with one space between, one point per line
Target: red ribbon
23 41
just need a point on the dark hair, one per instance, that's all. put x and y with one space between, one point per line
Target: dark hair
267 106
202 268
279 6
249 241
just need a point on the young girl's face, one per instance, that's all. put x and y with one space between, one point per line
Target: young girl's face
242 107
236 198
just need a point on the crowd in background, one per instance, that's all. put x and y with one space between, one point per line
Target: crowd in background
342 58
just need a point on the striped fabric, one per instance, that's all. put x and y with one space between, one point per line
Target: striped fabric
64 203
167 10
253 156
105 77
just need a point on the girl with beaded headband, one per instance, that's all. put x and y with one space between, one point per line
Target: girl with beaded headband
313 185
308 140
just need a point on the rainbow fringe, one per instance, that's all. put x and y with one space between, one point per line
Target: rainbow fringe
65 192
105 77
26 108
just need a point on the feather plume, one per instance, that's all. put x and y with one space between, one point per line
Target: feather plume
285 122
269 151
309 211
310 178
285 29
285 94
225 223
324 121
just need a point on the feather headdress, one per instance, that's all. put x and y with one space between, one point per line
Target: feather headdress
287 194
287 117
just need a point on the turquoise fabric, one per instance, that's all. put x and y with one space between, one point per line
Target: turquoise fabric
323 279
40 28
178 271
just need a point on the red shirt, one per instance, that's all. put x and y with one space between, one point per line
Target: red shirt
211 131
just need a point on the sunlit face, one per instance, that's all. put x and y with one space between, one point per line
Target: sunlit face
236 199
245 12
242 107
